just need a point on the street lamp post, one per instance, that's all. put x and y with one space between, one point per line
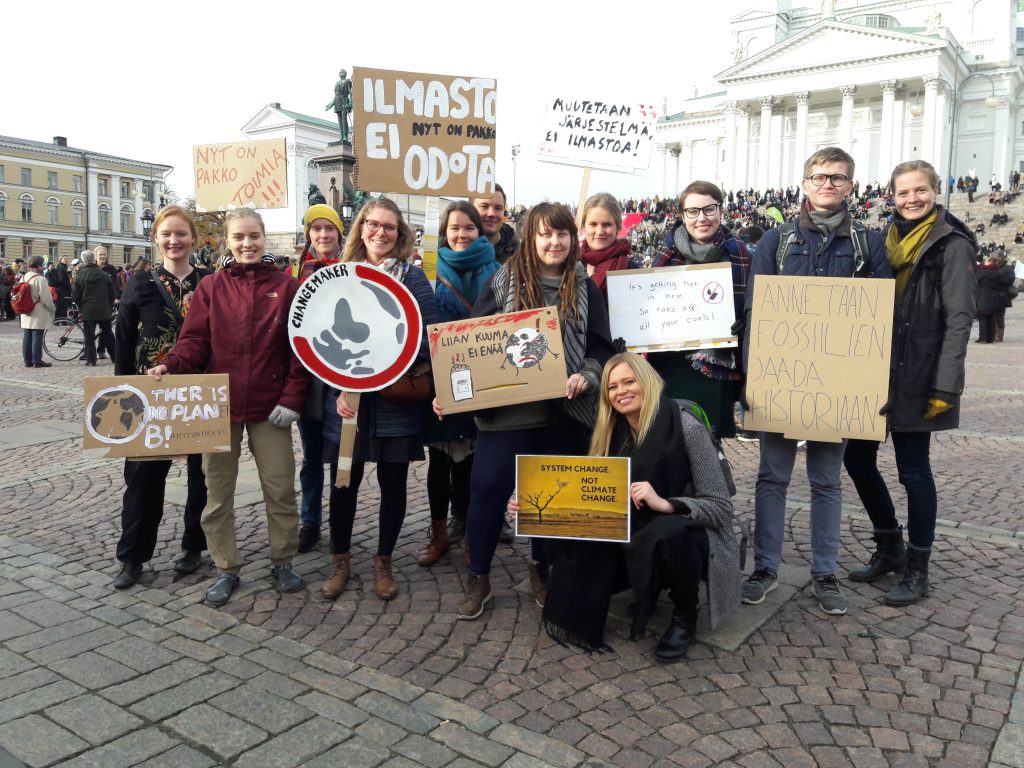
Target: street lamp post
147 223
991 102
515 156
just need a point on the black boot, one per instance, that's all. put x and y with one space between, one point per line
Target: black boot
914 584
681 631
890 556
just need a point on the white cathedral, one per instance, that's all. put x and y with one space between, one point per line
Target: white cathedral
886 81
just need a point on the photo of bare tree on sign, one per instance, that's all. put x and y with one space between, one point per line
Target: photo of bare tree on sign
573 497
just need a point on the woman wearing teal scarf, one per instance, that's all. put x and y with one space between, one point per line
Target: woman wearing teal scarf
465 261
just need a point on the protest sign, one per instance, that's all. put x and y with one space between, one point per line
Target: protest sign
497 360
609 135
573 497
242 173
424 134
818 367
672 308
355 327
142 417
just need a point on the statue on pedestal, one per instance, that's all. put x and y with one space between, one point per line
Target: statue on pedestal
315 196
342 104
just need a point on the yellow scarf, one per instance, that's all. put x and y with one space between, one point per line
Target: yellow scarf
903 253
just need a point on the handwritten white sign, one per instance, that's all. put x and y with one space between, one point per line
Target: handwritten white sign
672 308
610 135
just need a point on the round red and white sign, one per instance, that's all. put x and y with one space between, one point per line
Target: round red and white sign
355 327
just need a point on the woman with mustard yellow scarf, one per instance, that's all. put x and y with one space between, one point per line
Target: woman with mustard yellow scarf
932 255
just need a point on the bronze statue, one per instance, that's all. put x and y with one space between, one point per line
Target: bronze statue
342 104
315 196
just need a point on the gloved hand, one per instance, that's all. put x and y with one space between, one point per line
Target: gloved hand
743 396
884 410
282 417
739 328
935 407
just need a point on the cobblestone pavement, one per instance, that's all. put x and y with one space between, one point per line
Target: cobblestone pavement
152 677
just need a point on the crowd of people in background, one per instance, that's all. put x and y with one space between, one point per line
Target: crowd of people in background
186 313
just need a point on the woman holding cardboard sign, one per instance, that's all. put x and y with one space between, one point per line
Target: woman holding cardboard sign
465 261
236 325
390 431
681 526
709 377
932 254
546 271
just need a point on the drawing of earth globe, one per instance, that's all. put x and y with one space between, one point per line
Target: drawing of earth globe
367 330
117 414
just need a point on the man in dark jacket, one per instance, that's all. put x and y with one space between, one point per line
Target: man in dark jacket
111 271
823 246
62 283
492 212
93 292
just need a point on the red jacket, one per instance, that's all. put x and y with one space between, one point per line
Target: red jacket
237 324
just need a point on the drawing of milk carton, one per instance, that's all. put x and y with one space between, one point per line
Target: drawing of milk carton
462 382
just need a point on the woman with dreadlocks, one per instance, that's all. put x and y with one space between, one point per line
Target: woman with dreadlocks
546 271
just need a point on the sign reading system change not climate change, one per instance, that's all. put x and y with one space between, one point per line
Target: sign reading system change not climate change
141 417
424 134
818 367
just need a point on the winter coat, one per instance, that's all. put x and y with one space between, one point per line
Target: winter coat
507 245
93 292
237 324
992 291
115 278
42 313
931 329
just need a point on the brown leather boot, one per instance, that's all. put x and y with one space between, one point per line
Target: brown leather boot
478 594
387 588
335 584
438 543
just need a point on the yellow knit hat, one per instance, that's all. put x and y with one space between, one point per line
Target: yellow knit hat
321 211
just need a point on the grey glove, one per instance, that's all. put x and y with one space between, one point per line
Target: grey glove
283 417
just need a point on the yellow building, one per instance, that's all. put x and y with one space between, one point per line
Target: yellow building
56 201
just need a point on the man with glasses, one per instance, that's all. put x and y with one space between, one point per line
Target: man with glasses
823 245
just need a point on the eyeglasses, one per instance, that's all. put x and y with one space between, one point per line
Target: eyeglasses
373 226
707 210
819 179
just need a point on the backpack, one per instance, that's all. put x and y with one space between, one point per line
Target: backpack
858 233
690 407
21 297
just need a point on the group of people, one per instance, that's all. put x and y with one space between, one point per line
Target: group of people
181 318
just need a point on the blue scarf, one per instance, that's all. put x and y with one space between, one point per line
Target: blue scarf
467 271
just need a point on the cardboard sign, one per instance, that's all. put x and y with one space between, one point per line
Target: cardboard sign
610 135
355 327
140 417
424 134
818 365
672 308
242 173
573 497
497 360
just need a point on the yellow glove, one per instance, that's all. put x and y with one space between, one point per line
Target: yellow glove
935 407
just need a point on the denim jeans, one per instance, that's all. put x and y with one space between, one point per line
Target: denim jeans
32 345
311 473
824 463
915 473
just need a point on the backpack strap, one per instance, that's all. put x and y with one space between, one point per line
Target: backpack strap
456 294
787 237
166 296
861 249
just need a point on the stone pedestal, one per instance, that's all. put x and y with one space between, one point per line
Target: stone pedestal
336 163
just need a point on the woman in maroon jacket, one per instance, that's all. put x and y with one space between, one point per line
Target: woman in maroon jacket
236 325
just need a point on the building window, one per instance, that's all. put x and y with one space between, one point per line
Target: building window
78 213
3 207
147 191
103 187
1 174
76 182
26 249
127 254
51 179
26 208
26 177
127 223
53 213
149 251
126 189
77 248
104 218
54 251
3 248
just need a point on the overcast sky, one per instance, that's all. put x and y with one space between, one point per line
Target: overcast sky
148 81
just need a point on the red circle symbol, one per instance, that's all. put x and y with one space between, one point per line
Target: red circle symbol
305 324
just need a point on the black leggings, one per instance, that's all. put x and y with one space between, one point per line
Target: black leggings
680 564
448 481
391 477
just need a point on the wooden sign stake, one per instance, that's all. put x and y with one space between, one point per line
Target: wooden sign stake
348 443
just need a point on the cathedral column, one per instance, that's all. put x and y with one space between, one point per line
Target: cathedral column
931 117
675 171
1001 143
740 180
885 162
800 146
767 102
846 118
663 170
729 167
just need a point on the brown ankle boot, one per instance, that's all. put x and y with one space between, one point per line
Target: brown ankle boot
438 543
335 584
387 588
